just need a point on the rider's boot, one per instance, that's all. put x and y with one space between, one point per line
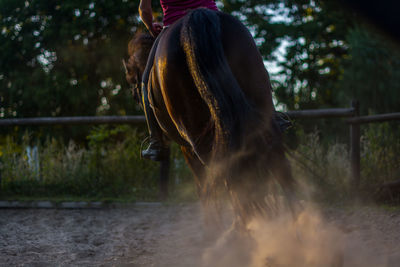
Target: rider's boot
157 149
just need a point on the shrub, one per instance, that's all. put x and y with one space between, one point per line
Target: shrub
110 166
325 168
323 171
380 158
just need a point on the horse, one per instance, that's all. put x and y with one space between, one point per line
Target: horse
211 94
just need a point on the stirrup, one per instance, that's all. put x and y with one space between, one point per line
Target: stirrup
156 151
283 121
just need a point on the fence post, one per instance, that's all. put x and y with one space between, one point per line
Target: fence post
355 147
164 175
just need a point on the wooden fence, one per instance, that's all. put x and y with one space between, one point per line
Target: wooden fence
87 120
354 121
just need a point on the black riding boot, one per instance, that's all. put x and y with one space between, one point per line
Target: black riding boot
157 149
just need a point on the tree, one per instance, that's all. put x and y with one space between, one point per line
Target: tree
372 71
315 36
64 58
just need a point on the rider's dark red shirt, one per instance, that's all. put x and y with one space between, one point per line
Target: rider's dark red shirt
176 9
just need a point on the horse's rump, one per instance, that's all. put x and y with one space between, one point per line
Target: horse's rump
233 92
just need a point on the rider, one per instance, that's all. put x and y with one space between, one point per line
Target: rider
173 10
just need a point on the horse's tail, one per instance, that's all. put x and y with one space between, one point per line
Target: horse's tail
229 109
243 155
212 75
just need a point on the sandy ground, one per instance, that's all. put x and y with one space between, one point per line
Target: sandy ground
165 235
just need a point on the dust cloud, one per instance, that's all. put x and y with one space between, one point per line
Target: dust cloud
308 240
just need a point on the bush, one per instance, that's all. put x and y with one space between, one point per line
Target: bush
380 158
109 167
324 171
325 168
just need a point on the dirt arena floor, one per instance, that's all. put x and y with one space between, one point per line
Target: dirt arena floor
156 235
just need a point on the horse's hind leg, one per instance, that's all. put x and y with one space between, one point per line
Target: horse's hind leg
212 222
196 166
281 169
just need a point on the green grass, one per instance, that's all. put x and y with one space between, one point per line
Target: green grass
324 168
391 207
109 167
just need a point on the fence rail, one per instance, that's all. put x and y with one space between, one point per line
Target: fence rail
352 112
374 118
295 114
321 113
74 120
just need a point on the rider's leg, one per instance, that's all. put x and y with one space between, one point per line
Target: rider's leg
156 149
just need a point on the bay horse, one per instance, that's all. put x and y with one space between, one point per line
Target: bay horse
211 94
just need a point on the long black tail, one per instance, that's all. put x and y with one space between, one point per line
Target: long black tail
245 156
201 40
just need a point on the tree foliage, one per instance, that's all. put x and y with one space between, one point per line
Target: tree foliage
371 73
331 53
314 35
64 58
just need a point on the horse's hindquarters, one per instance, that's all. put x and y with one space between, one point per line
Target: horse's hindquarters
179 108
211 92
